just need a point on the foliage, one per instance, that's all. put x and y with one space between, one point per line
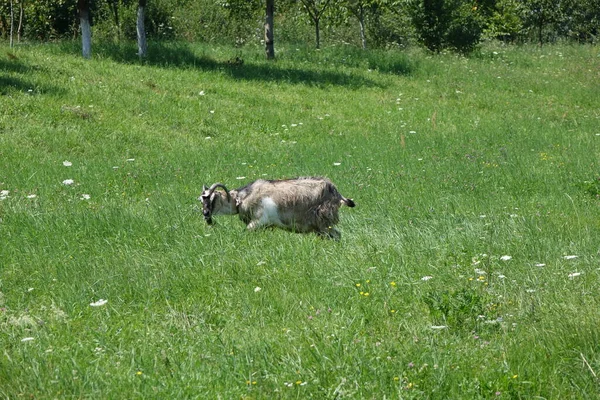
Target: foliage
505 22
455 24
438 24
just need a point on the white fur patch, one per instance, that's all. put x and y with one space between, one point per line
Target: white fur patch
270 214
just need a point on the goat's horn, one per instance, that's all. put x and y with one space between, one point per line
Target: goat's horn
216 185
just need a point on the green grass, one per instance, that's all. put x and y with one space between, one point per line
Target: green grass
453 163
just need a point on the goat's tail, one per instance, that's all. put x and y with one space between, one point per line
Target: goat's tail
348 202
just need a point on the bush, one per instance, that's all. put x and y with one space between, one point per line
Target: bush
454 24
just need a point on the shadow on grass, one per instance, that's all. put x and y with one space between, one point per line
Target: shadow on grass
20 83
180 55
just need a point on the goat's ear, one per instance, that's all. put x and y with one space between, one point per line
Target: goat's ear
204 188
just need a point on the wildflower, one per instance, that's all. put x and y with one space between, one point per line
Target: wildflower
393 283
396 379
480 271
505 258
139 373
67 163
426 278
570 257
257 289
4 194
99 303
68 182
85 197
358 285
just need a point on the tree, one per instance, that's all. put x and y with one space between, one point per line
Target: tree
141 30
431 19
83 7
269 47
360 9
455 24
12 23
316 9
540 14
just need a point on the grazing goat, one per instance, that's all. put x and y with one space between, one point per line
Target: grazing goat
299 205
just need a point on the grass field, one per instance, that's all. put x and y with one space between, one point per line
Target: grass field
468 270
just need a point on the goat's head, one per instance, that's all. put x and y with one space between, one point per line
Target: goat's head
215 202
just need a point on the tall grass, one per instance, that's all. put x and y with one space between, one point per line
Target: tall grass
455 276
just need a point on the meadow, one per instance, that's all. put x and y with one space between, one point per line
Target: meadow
469 268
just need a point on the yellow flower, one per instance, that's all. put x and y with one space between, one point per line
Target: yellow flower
139 373
396 378
358 285
393 283
366 293
515 376
298 382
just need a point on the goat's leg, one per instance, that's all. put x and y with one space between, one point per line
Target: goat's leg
255 224
330 233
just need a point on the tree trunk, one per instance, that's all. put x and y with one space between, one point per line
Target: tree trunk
269 47
20 27
12 23
317 33
141 31
541 31
86 30
363 37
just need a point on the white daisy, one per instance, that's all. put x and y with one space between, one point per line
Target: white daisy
99 303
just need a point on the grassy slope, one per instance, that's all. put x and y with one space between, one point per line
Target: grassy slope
453 163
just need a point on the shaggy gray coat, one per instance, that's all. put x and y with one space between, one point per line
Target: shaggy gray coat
302 205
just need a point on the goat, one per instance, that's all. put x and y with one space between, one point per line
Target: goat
302 205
